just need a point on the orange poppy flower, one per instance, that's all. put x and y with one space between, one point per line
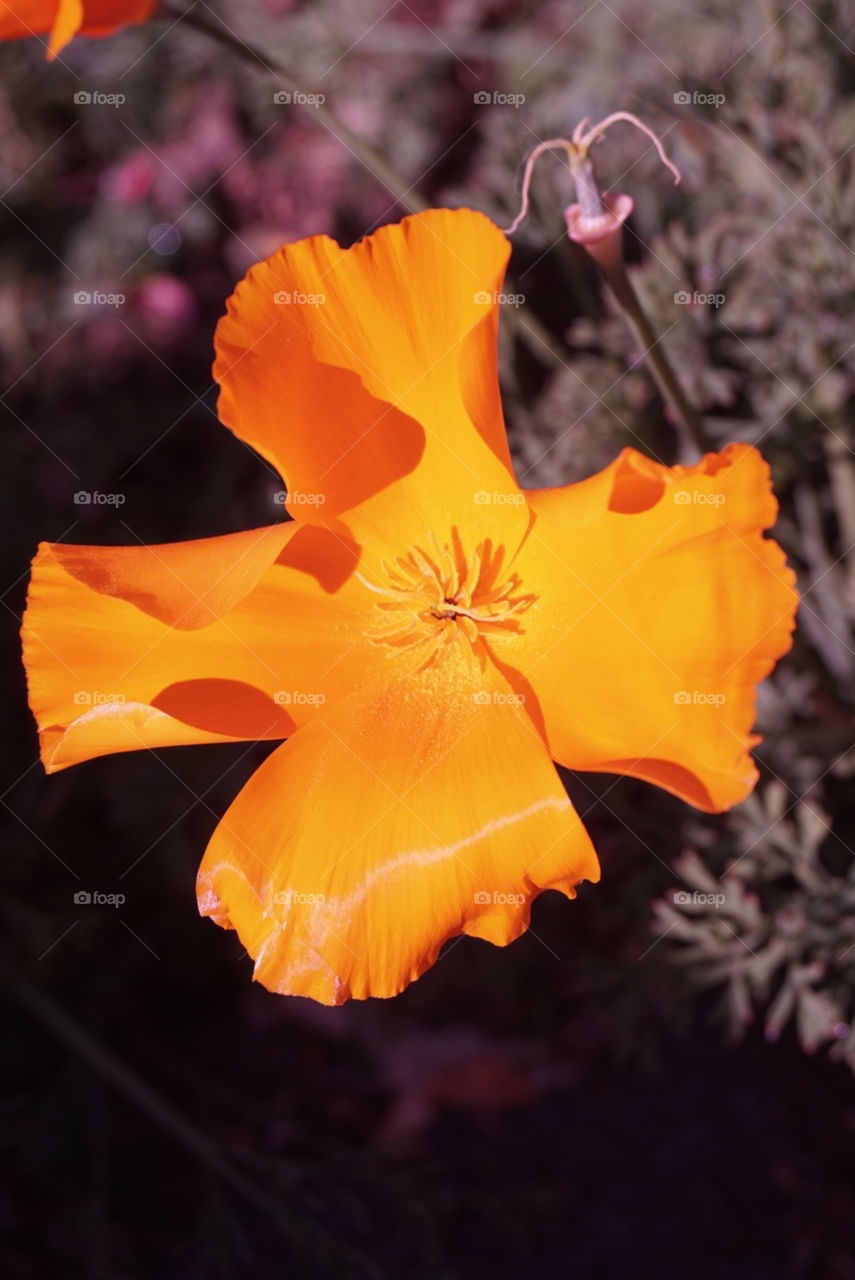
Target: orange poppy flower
62 20
427 636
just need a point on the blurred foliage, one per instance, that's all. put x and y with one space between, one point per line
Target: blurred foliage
777 921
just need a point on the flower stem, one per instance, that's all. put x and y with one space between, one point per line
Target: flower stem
371 158
288 1221
660 366
528 328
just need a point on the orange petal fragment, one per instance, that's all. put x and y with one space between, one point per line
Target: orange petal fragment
68 21
408 813
368 377
184 584
660 606
112 665
19 18
62 20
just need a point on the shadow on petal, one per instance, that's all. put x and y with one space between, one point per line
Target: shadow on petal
229 707
638 484
330 555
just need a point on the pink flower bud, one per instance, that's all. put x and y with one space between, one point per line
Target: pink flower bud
596 219
600 233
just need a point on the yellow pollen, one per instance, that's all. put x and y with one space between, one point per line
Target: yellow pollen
433 601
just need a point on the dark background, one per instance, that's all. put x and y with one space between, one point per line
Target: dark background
581 1103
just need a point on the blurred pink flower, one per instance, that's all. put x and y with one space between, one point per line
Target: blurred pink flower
166 307
131 180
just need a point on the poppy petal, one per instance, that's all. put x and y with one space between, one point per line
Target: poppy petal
63 19
19 18
406 814
68 21
368 377
660 607
113 666
183 584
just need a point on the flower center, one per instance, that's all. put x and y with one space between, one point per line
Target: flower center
439 599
